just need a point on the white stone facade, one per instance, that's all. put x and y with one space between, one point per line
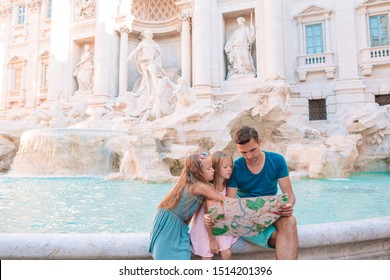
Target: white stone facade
191 34
43 41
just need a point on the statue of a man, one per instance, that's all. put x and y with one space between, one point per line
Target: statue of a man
238 50
84 70
148 58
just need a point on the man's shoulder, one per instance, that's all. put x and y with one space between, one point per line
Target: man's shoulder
239 161
273 154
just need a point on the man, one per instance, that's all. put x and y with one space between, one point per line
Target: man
257 173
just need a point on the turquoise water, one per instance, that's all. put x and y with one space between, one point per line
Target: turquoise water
94 205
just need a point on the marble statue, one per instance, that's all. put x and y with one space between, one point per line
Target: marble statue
238 50
85 8
185 95
57 110
165 101
148 59
84 71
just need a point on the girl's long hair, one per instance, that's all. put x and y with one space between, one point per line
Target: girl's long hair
216 161
191 174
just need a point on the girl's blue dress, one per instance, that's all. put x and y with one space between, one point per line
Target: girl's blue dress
170 239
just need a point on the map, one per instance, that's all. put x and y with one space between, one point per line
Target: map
245 216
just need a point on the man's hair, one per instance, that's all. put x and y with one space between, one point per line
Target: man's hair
244 134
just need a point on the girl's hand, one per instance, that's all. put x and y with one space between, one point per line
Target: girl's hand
208 221
214 246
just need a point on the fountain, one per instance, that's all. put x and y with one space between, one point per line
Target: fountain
89 129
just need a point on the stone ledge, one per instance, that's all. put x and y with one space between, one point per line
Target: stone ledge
363 239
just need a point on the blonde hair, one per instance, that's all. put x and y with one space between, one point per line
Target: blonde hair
216 161
191 174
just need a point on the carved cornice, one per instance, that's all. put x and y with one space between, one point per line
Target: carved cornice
6 10
34 5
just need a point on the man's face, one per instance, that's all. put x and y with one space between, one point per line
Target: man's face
250 151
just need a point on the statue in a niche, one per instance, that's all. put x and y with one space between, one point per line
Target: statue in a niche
148 58
238 50
84 71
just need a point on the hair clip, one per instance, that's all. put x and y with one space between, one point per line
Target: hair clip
202 156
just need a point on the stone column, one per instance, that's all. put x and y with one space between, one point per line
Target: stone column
104 49
124 31
300 35
274 48
364 26
33 8
327 34
5 19
59 78
349 87
186 47
201 52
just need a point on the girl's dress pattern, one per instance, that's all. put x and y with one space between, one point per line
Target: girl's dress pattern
200 243
170 239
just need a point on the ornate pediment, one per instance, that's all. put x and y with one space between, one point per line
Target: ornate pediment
313 11
16 59
370 3
45 54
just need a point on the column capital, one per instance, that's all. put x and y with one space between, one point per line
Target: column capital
123 28
124 24
186 16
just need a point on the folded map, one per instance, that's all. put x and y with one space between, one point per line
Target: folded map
245 216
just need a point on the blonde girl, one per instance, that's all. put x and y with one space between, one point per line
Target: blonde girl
170 238
203 243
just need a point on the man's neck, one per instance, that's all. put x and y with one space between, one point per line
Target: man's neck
258 165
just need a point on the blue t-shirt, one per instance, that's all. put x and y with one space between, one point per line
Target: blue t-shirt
264 183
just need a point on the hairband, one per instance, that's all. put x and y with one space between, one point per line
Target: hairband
202 156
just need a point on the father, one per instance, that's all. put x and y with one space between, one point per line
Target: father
257 173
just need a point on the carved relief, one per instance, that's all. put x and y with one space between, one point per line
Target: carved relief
85 8
154 10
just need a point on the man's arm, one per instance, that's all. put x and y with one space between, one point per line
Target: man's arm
286 187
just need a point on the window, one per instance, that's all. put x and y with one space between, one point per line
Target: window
45 75
17 79
317 109
314 38
21 14
379 30
383 99
49 8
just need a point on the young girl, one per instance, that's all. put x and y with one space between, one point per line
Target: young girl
169 237
203 243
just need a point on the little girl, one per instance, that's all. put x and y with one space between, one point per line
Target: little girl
170 238
203 243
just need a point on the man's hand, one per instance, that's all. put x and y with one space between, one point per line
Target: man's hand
286 210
